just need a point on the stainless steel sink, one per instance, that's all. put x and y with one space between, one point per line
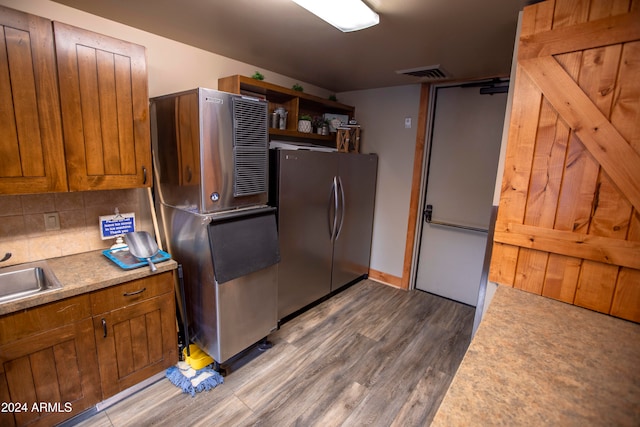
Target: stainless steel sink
20 281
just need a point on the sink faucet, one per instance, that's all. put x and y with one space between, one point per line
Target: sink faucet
6 257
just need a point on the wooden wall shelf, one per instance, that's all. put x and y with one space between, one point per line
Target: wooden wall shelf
295 102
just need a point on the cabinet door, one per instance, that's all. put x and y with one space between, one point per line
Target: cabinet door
31 148
49 377
105 110
135 342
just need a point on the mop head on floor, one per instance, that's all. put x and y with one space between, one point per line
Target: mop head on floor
191 381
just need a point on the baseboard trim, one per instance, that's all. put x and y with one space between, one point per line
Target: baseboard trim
385 278
101 406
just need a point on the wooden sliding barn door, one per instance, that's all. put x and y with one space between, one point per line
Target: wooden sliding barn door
568 224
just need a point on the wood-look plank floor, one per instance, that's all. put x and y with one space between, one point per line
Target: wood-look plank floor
371 355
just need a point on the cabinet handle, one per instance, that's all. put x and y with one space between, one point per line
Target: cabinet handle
130 294
144 175
104 328
189 174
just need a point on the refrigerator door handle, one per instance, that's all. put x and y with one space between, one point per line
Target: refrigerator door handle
333 222
336 206
343 209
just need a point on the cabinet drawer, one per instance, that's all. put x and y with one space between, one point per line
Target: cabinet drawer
123 295
24 323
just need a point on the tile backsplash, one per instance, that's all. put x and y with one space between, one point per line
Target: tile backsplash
22 222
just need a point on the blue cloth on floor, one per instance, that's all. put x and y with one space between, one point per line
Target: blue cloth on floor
191 381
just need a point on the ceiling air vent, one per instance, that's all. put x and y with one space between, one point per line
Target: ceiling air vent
431 72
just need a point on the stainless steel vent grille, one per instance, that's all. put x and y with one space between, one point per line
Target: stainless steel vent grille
250 147
431 72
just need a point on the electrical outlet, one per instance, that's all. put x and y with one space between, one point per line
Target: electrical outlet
407 122
51 221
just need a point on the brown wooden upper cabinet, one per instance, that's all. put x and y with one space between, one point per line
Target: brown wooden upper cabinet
74 108
31 148
105 110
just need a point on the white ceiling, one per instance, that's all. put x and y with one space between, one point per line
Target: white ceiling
468 38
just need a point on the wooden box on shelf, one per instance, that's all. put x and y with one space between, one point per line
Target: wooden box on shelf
348 139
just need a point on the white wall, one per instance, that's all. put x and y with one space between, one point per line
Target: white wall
172 66
382 113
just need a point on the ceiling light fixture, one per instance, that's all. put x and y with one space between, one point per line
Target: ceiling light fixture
345 15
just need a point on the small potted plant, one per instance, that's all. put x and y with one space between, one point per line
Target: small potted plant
321 125
304 123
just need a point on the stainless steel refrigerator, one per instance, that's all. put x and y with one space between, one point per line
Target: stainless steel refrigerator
325 207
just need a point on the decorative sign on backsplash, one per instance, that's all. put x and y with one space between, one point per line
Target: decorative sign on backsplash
112 226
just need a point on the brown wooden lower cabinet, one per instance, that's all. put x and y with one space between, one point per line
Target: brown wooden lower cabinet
135 342
50 375
61 358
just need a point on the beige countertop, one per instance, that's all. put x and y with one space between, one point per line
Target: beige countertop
535 361
82 273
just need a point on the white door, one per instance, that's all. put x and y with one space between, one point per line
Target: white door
466 130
